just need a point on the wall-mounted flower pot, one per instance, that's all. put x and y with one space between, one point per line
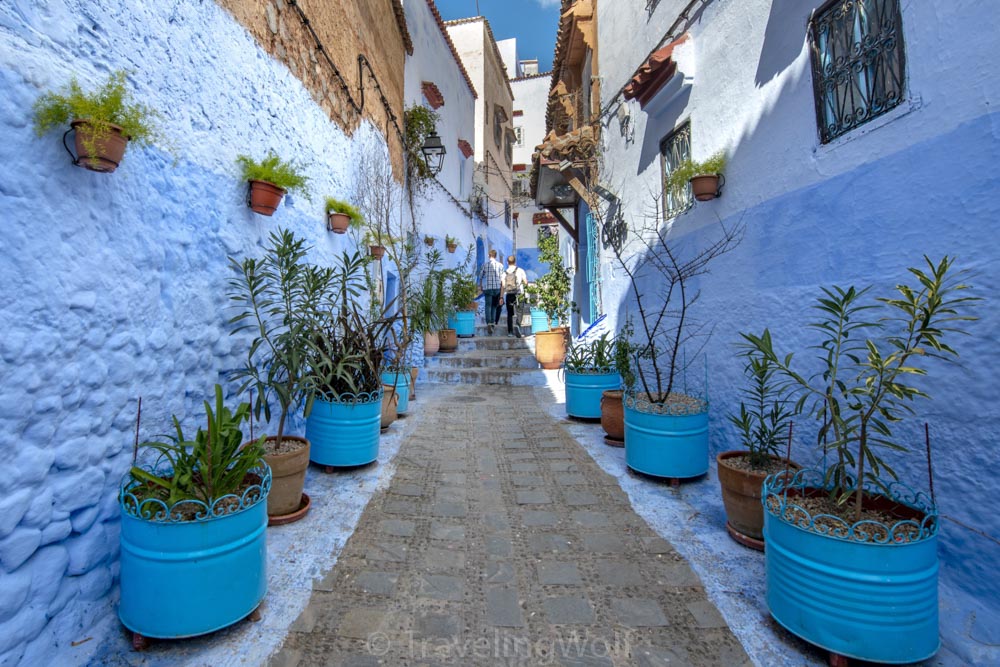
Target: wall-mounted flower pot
288 476
448 340
108 146
707 186
377 251
613 417
345 432
741 492
451 247
338 222
666 441
550 349
182 578
864 590
401 381
429 241
539 321
265 197
584 390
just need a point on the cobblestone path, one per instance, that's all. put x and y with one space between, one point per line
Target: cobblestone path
500 542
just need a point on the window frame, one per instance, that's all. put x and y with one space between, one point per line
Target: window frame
885 73
681 132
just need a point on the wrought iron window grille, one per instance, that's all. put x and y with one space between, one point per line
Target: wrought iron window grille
859 64
674 149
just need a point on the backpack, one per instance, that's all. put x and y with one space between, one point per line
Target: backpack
510 285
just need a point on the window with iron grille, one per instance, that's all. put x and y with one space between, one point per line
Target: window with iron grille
519 133
674 149
858 63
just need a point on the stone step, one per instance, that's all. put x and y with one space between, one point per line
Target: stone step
492 343
500 376
484 359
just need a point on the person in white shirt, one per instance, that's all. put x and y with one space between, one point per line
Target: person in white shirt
514 282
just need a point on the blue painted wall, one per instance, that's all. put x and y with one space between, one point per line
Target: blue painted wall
114 285
866 226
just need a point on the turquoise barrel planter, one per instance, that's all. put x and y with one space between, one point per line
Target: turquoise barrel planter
345 432
464 324
539 321
665 445
401 381
875 601
583 392
187 578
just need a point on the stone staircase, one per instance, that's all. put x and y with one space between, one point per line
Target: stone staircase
485 359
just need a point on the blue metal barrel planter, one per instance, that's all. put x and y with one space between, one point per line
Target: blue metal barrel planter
539 321
400 380
583 391
181 578
671 443
866 590
345 432
464 323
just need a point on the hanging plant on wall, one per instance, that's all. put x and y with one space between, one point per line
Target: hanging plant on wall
104 121
340 215
706 177
269 180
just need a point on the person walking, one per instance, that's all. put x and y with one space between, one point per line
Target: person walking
514 281
491 282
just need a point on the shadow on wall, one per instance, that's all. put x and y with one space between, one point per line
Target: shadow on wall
784 39
668 118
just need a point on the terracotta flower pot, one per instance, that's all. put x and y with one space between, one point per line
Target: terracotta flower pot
108 148
550 349
451 246
741 493
377 251
390 400
429 241
705 187
447 340
265 197
338 222
613 417
288 476
432 343
414 372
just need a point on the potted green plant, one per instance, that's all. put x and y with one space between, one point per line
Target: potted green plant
462 290
589 371
553 290
280 301
430 306
269 180
706 177
763 422
429 241
193 545
612 407
450 242
346 356
105 120
852 552
340 215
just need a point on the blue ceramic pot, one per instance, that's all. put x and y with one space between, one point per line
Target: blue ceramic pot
539 321
583 392
870 600
665 445
186 578
464 324
345 433
401 381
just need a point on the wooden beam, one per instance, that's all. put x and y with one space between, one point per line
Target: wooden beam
564 223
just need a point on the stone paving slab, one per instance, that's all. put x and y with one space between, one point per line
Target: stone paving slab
483 553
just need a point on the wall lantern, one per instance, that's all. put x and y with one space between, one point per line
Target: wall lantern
433 151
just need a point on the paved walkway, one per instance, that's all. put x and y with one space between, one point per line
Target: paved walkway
500 542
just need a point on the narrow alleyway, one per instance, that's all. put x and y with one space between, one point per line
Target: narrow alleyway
499 541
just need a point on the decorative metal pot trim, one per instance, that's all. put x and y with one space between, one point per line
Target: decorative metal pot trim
868 532
154 509
346 397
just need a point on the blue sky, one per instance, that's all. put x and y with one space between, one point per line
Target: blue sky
533 22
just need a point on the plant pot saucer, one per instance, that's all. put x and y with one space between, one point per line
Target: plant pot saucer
386 429
281 519
745 540
613 442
